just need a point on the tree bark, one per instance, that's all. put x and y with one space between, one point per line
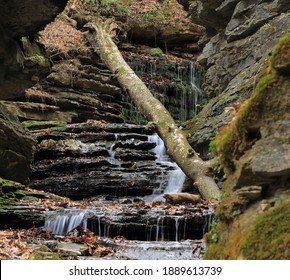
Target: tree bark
153 110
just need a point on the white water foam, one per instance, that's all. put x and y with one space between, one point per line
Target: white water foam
176 176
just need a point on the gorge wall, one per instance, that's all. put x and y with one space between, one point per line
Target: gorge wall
247 80
19 19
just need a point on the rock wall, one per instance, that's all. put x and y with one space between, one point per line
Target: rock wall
93 158
16 148
233 57
247 79
19 18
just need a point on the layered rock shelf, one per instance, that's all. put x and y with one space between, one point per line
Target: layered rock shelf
95 158
118 170
134 220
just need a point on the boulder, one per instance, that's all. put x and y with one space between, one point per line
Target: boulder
73 249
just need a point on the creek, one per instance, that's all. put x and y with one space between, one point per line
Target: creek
159 226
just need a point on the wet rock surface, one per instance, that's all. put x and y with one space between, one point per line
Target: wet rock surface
133 219
22 216
175 82
96 158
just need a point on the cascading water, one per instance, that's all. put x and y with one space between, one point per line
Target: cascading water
65 221
110 223
175 178
195 88
156 224
178 86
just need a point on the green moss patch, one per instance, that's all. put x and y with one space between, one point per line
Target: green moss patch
38 126
154 52
281 55
10 192
237 137
44 253
269 236
233 139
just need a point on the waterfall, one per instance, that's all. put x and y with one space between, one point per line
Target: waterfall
184 227
175 84
194 87
159 150
175 178
99 225
112 150
149 232
177 227
63 222
160 228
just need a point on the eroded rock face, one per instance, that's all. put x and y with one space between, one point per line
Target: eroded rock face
233 59
74 91
22 216
254 149
16 148
204 13
237 18
24 18
249 16
17 19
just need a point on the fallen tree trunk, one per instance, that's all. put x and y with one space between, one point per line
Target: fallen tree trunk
153 110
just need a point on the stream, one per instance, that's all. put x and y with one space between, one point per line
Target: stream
151 231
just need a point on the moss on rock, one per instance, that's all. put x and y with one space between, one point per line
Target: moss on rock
269 236
154 52
232 141
44 253
10 191
245 230
281 55
38 126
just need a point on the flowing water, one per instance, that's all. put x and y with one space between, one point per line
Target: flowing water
151 224
158 234
178 87
68 219
64 221
176 177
